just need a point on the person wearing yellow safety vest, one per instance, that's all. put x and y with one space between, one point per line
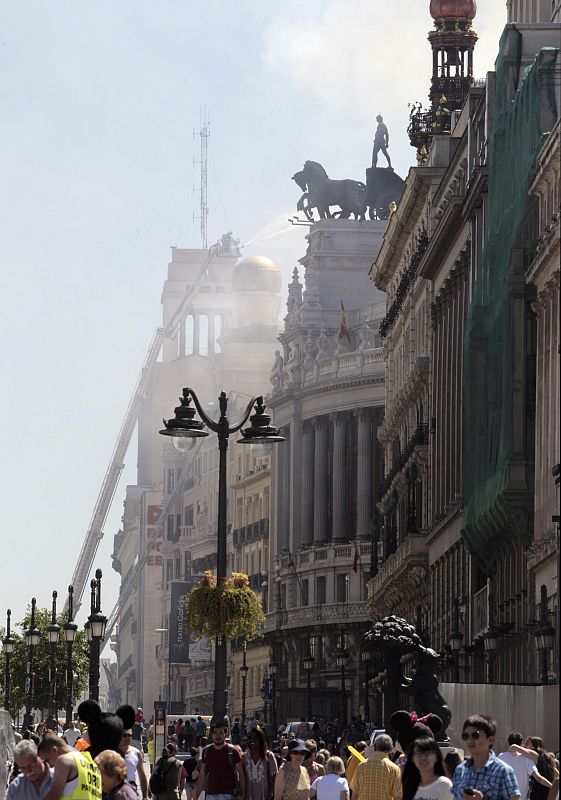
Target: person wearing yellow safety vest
75 775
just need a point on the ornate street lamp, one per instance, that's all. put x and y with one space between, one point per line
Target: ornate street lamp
342 663
545 636
455 642
309 662
53 631
70 629
366 658
273 673
32 638
185 426
490 643
244 669
8 643
95 632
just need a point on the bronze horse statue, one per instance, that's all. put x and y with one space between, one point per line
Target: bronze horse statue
321 192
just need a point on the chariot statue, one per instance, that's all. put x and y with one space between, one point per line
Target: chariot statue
322 192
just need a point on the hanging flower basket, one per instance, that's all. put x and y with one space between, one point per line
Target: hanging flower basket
230 610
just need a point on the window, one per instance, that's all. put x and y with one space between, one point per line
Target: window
171 480
169 570
305 592
342 589
320 590
283 596
189 335
177 568
170 528
178 523
188 515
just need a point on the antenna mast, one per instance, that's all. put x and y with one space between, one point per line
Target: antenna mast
203 133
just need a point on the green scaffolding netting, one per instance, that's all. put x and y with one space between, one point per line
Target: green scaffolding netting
497 344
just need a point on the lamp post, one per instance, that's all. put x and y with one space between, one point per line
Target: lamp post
95 631
244 669
490 643
32 637
456 638
273 673
53 631
70 629
342 663
309 662
545 635
366 658
184 426
8 644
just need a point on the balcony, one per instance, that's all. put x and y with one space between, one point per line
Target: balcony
250 533
412 554
331 552
419 439
309 616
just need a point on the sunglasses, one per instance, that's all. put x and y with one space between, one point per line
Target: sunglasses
473 735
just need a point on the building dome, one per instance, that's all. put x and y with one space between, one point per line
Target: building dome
453 9
256 273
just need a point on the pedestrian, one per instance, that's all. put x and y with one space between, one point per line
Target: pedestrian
331 786
73 771
114 776
302 729
134 759
190 773
451 761
35 776
236 732
71 734
260 767
353 761
483 774
179 734
524 768
137 730
293 781
201 746
200 730
424 775
165 779
545 765
220 770
315 770
377 778
188 735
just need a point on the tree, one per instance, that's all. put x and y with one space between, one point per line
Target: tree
41 665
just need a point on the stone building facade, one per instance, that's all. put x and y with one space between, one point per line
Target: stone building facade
458 507
328 400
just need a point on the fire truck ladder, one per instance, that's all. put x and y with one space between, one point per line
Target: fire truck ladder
116 465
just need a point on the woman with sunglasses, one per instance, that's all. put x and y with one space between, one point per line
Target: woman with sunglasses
292 781
134 760
424 775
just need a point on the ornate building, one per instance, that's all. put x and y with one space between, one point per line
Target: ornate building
457 501
328 398
224 340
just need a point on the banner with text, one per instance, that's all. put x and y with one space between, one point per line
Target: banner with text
178 629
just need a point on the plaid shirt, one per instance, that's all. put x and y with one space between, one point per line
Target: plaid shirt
495 780
377 779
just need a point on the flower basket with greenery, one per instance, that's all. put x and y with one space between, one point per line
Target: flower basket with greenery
230 609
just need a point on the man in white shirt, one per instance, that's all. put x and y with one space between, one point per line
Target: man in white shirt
523 766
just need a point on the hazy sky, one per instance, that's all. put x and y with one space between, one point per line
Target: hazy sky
99 101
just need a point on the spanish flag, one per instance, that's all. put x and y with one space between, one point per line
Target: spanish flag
343 329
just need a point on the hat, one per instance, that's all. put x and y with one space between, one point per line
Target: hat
298 746
105 730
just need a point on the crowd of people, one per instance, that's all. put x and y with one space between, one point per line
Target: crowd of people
50 764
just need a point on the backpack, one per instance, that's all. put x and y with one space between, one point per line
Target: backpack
158 783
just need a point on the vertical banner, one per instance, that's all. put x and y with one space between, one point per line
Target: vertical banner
178 631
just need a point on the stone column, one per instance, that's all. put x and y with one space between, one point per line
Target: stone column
339 530
196 322
211 332
364 490
320 481
307 529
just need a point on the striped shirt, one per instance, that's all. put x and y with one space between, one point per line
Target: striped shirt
377 779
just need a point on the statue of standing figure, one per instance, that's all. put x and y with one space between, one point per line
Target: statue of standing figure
381 142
